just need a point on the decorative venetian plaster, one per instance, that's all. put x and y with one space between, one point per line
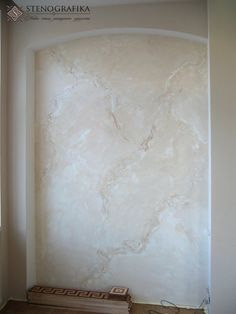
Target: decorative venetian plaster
121 166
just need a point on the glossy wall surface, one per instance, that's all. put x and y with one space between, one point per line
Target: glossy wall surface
121 166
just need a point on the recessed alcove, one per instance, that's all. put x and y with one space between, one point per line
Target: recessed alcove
132 106
211 22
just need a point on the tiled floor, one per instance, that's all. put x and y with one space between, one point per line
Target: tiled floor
24 308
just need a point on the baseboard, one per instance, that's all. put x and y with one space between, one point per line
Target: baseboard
3 305
17 300
11 299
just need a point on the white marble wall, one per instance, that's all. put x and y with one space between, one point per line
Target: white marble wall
121 166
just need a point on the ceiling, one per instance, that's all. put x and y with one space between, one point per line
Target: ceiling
92 3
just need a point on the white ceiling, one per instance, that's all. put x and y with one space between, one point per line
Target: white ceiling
91 3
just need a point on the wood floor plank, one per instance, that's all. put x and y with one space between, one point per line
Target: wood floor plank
14 307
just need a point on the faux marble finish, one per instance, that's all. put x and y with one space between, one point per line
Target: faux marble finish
121 166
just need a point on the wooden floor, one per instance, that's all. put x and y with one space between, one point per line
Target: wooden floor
14 307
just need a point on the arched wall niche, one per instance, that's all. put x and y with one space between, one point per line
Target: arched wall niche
23 38
180 16
30 141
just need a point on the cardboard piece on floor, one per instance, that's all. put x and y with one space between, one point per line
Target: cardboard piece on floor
87 301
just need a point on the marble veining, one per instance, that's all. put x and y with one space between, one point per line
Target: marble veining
121 166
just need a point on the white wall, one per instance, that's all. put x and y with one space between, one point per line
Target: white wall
222 44
3 206
187 17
